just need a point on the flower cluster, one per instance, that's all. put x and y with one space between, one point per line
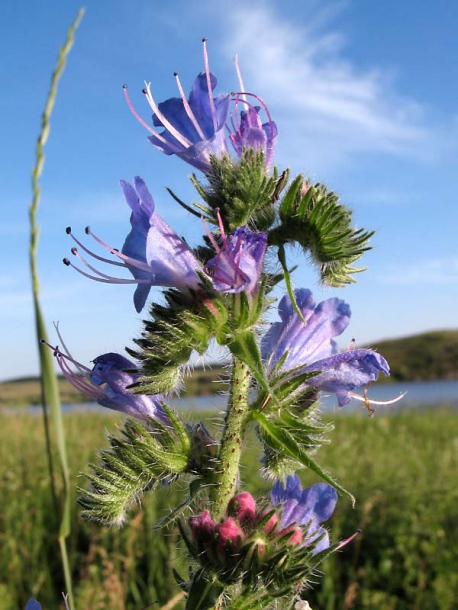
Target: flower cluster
156 256
194 129
293 519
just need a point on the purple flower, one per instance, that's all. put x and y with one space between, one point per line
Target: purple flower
237 265
107 383
305 507
170 262
194 128
310 347
32 604
152 251
250 132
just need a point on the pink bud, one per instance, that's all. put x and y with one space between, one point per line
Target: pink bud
203 532
242 507
229 539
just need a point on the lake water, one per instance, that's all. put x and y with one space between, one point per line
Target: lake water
419 395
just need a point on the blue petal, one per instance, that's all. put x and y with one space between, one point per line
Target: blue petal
32 604
347 371
305 343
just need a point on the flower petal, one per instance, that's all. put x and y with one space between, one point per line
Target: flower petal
347 371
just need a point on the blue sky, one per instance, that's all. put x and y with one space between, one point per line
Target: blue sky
364 96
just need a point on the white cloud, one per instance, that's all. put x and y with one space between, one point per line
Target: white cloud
328 108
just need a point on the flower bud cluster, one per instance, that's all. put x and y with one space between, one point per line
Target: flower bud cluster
259 538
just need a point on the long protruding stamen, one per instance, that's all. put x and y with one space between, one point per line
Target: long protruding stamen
242 94
79 366
75 252
137 116
345 542
110 280
155 133
239 76
167 124
68 230
209 84
213 241
132 262
382 403
188 109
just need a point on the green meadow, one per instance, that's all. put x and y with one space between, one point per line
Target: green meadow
402 469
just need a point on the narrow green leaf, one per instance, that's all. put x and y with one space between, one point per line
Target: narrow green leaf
282 440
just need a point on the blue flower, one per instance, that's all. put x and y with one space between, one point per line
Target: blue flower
237 265
108 382
250 132
194 128
32 604
305 507
152 242
152 251
309 347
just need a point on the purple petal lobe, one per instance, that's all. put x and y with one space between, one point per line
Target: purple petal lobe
347 371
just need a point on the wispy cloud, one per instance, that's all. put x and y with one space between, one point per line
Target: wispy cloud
328 108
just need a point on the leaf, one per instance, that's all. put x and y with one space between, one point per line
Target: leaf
280 439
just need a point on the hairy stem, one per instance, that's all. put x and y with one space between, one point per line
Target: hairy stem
226 478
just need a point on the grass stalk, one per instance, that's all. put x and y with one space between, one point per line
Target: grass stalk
49 387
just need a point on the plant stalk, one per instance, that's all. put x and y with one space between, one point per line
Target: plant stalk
227 476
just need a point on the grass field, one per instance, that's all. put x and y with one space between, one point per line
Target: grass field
403 471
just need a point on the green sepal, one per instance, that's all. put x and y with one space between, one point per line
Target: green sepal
204 591
185 323
135 463
241 190
282 439
203 212
321 225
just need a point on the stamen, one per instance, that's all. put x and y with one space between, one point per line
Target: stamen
80 382
352 345
369 402
167 125
108 280
132 262
68 230
79 366
136 115
187 107
345 542
242 95
209 84
239 76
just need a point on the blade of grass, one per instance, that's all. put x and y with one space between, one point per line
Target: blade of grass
49 387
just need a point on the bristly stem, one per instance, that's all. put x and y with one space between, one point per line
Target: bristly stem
49 387
227 475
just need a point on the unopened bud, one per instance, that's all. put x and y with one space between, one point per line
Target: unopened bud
243 507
